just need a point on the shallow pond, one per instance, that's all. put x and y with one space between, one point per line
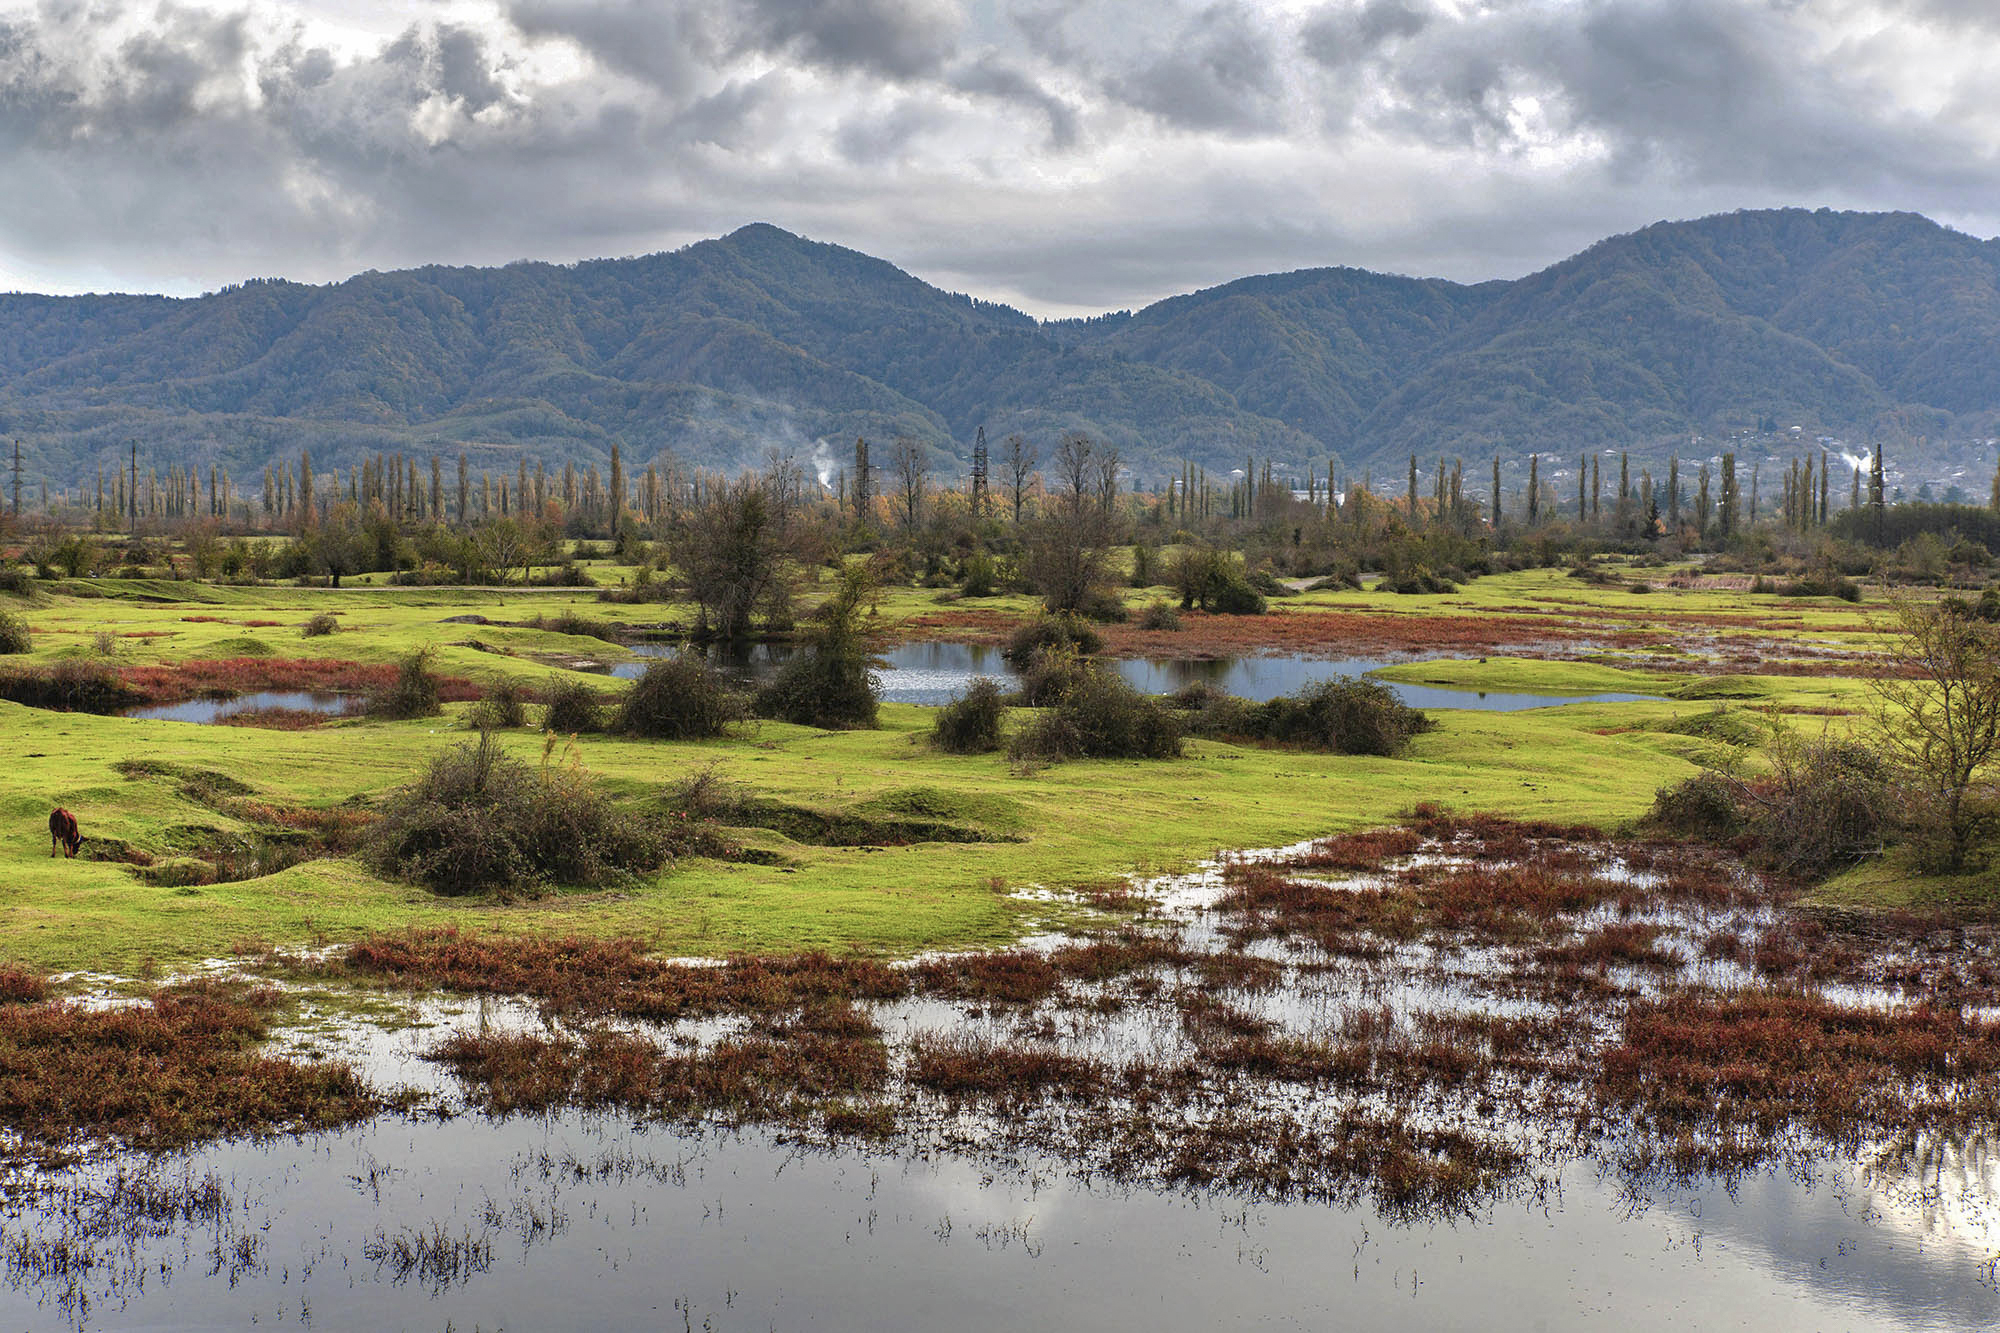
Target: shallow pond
937 673
210 711
453 1219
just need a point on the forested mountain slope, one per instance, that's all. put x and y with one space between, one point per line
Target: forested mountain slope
1853 324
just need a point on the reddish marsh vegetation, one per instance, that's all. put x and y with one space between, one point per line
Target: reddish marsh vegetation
179 1068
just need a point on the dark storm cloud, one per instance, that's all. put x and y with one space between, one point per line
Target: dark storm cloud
1064 153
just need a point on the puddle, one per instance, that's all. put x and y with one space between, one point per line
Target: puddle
211 711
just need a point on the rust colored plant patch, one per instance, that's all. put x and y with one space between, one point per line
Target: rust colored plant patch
180 1068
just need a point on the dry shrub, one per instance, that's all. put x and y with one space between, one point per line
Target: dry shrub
1703 806
1758 1062
414 691
1019 976
615 976
18 986
479 820
968 1065
571 707
1826 804
1102 717
679 698
1341 716
322 623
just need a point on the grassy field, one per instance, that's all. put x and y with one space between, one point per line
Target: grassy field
150 786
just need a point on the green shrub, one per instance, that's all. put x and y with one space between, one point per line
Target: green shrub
14 635
977 576
1145 565
569 622
569 574
1161 616
679 698
1103 606
1722 724
414 692
1102 717
1824 585
321 624
1420 581
571 707
1267 584
820 687
1211 581
16 580
970 724
478 820
1722 687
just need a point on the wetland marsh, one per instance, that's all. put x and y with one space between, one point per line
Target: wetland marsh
957 1039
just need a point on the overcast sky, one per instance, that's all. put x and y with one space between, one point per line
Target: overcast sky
1063 155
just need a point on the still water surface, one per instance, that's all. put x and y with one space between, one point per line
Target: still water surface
214 710
582 1222
937 673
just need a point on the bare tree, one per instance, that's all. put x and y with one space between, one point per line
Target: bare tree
785 484
503 545
1065 556
1021 459
1939 718
912 471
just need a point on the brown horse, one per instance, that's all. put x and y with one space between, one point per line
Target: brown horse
63 833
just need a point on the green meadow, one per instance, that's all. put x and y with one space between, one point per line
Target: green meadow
148 786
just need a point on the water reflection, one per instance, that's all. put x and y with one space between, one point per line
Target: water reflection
586 1222
937 673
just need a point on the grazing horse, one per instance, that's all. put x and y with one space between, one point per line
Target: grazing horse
63 833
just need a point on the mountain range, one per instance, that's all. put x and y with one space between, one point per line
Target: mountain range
1856 325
